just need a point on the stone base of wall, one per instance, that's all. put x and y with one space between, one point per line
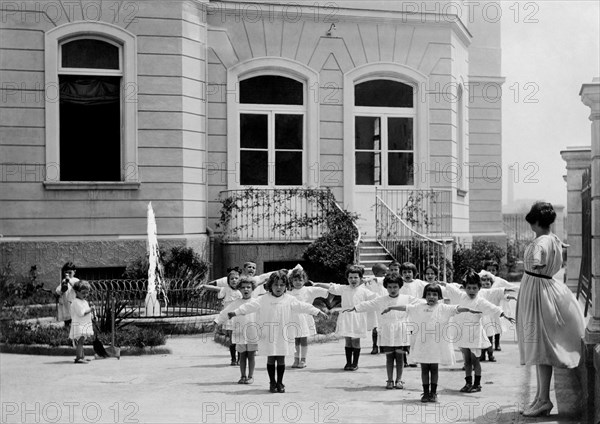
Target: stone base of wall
50 256
235 254
589 371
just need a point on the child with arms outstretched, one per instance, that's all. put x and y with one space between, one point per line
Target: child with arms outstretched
273 317
431 346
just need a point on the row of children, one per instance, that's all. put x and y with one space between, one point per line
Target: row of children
267 321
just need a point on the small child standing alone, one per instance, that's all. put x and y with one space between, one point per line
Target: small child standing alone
305 324
244 333
81 320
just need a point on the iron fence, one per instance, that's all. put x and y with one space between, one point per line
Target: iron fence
404 244
181 298
427 212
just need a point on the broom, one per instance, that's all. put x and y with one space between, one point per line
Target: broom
113 352
98 347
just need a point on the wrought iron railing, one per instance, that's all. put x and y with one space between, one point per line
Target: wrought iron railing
427 212
405 244
181 298
274 214
260 215
518 234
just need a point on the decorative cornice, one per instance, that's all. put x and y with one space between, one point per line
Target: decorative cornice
310 12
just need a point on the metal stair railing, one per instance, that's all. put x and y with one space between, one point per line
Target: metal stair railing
407 245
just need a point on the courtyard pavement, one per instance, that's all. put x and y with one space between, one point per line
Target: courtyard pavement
196 384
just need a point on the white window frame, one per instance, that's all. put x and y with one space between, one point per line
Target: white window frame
271 111
126 41
281 67
384 113
396 72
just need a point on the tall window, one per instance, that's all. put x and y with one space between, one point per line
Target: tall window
272 121
89 77
384 133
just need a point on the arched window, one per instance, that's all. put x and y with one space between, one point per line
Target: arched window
89 78
272 119
384 133
91 125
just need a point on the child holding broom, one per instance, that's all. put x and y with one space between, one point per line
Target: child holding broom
81 324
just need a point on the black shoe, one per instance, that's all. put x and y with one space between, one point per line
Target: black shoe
482 358
273 388
280 388
426 397
433 397
375 350
475 388
491 358
353 367
467 388
412 365
347 367
498 349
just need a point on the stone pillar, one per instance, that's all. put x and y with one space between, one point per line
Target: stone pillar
578 159
590 96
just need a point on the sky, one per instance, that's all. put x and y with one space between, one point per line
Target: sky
545 63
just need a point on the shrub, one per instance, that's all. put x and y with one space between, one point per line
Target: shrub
331 253
14 332
326 325
178 263
464 258
22 290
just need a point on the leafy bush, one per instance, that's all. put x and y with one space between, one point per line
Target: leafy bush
464 258
136 337
326 325
22 290
331 253
13 332
178 263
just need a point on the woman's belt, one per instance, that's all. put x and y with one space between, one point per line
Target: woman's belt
533 274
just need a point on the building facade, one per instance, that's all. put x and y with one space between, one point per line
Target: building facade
108 106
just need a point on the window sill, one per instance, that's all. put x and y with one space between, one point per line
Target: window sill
461 193
91 185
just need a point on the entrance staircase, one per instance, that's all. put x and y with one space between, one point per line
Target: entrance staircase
370 253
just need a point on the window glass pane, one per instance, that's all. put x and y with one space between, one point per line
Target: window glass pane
90 128
253 131
367 133
368 168
400 169
288 131
254 167
288 168
90 54
384 93
271 89
400 134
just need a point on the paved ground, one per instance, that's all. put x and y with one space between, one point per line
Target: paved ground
196 384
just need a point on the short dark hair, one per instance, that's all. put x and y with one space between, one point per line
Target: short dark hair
541 213
276 276
395 263
393 279
355 269
409 266
471 277
69 266
378 267
434 288
434 268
